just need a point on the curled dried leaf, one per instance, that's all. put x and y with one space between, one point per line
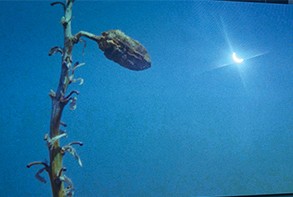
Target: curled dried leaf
124 50
69 190
80 80
77 65
55 50
51 141
39 177
73 103
68 148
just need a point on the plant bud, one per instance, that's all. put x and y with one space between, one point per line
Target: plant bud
124 50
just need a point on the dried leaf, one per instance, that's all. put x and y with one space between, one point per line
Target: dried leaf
73 103
73 152
69 190
39 177
80 80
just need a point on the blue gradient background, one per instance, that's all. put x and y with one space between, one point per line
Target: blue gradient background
183 128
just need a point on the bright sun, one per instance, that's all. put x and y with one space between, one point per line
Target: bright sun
237 59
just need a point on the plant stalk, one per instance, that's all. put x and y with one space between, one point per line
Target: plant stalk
56 158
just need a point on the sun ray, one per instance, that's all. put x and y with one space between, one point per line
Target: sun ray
233 60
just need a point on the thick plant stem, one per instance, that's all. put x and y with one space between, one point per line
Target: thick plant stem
117 47
58 103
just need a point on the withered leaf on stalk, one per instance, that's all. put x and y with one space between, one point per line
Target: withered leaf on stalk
124 50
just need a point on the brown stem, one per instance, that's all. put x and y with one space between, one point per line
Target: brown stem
87 35
56 163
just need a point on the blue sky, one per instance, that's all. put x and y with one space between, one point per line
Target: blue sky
193 124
